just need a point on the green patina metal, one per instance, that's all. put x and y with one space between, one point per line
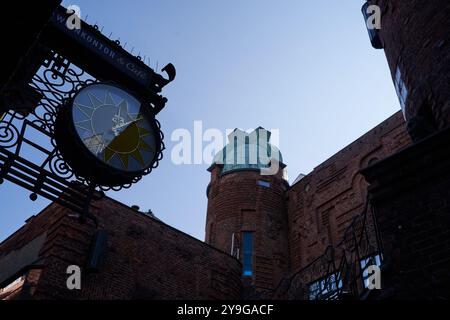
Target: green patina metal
248 151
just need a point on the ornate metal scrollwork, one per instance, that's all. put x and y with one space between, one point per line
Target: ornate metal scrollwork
51 177
56 81
39 91
9 135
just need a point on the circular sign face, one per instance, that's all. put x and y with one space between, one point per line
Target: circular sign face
115 129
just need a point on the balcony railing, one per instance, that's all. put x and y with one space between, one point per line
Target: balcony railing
341 272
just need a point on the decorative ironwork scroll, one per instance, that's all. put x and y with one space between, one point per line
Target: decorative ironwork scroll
29 155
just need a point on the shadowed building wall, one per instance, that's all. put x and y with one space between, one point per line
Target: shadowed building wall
415 35
410 190
143 258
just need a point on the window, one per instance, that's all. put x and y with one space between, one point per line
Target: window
264 183
325 288
365 263
247 253
400 88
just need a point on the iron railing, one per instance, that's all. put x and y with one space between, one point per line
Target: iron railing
341 271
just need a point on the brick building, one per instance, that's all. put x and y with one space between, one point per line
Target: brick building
132 255
414 36
409 190
382 200
129 255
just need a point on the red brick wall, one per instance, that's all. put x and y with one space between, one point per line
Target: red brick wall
416 35
148 259
410 193
236 204
145 258
321 206
67 242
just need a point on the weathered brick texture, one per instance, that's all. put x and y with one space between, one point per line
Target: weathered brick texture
416 37
322 205
144 259
410 192
236 203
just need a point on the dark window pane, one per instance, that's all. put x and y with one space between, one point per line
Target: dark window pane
247 252
263 183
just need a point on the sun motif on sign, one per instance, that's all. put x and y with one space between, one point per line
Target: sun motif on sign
112 126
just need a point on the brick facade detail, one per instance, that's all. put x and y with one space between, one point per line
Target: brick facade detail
147 259
143 259
416 37
322 204
295 225
411 198
236 203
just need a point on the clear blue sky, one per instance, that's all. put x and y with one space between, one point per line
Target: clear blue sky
304 67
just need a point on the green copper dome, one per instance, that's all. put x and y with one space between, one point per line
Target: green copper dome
248 151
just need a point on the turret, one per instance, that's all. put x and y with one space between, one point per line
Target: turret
246 209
